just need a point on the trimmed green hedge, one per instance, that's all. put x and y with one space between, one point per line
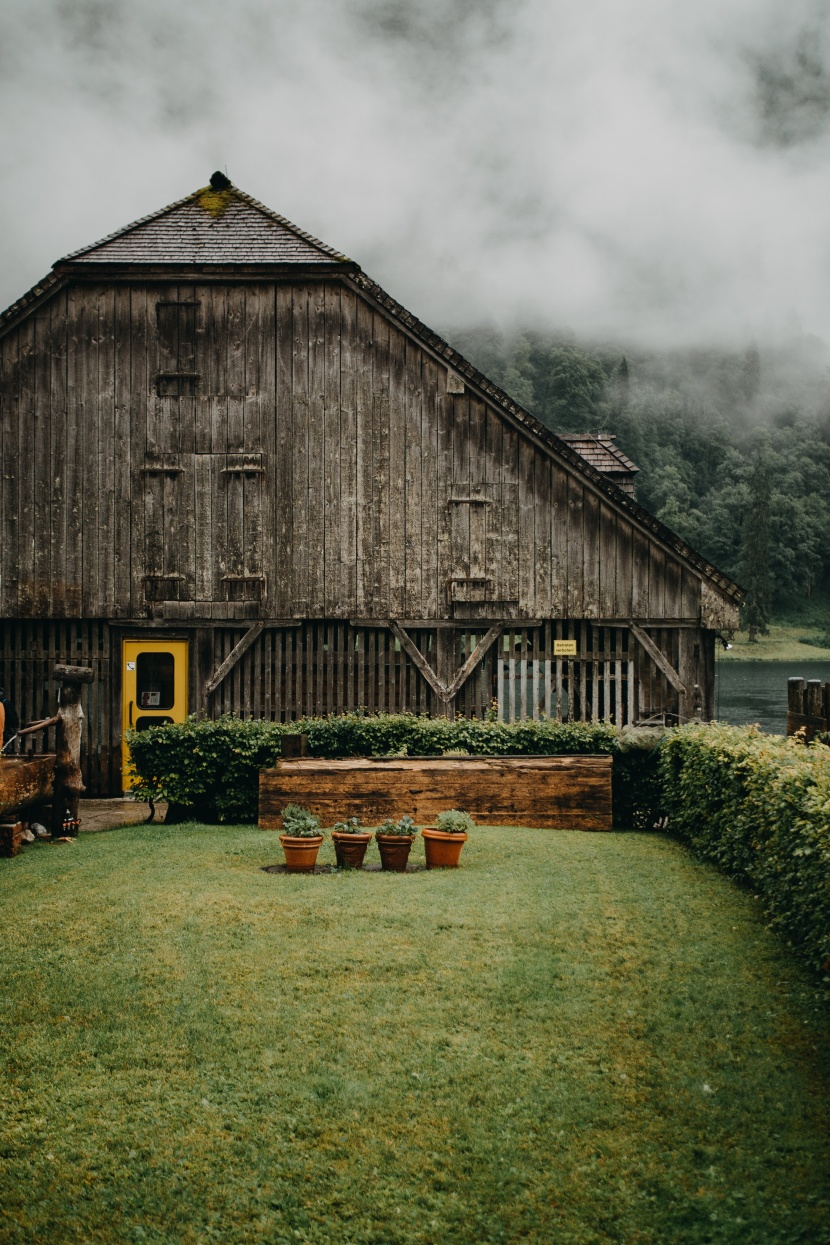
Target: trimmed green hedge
210 769
759 807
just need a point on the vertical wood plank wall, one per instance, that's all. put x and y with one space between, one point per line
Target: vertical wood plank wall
332 667
28 653
316 467
329 667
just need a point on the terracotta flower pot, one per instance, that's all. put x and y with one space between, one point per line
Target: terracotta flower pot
394 851
300 854
350 848
443 850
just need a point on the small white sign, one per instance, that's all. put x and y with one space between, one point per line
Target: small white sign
130 665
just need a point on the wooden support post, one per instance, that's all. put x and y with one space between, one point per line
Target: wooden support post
795 705
68 785
815 708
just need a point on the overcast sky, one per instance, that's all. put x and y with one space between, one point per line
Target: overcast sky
649 170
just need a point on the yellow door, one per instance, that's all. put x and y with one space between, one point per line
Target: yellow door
154 688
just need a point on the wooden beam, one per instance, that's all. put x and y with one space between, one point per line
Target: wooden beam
441 690
445 691
473 660
38 726
658 658
233 657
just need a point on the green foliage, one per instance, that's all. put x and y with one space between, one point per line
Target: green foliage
637 787
817 641
210 769
454 821
404 828
696 423
756 570
350 826
299 822
758 806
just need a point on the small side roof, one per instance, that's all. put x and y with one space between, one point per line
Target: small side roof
600 451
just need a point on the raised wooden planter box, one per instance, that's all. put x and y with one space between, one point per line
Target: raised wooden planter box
565 792
25 780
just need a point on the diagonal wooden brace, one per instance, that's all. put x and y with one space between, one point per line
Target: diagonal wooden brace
233 657
445 692
660 661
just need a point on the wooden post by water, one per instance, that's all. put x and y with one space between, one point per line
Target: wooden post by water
808 708
68 786
795 705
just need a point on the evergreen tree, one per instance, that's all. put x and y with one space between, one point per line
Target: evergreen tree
756 550
623 382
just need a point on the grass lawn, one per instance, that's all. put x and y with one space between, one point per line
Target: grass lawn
594 1040
782 643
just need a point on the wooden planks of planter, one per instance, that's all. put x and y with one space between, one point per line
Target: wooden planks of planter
565 792
11 837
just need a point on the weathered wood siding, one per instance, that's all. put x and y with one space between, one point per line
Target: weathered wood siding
318 668
29 651
286 450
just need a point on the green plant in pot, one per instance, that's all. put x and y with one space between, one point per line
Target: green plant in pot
443 841
350 843
301 838
394 839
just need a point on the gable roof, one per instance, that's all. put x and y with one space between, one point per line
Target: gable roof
226 226
209 227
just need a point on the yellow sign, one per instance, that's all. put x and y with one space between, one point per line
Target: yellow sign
564 648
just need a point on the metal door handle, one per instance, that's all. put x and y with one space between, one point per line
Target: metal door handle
131 713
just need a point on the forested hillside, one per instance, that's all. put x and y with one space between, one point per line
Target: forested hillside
733 448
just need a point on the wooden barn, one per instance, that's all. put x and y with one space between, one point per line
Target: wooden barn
237 476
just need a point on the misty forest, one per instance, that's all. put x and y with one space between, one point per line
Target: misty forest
733 447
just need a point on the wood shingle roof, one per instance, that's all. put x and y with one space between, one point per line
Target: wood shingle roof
209 227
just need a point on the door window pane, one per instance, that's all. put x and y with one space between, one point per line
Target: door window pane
144 724
154 680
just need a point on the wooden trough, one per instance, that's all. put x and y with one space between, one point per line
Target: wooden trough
25 781
565 792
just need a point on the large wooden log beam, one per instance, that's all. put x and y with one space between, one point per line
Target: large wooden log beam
567 792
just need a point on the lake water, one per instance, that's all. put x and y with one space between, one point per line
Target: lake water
756 691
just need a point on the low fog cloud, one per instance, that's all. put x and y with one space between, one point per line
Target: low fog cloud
639 171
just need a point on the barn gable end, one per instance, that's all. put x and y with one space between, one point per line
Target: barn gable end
211 421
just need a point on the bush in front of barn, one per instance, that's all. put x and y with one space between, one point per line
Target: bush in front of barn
209 770
758 806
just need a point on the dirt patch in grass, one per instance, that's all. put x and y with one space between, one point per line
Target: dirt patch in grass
573 1038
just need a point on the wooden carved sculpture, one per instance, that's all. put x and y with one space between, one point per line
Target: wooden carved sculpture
68 786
